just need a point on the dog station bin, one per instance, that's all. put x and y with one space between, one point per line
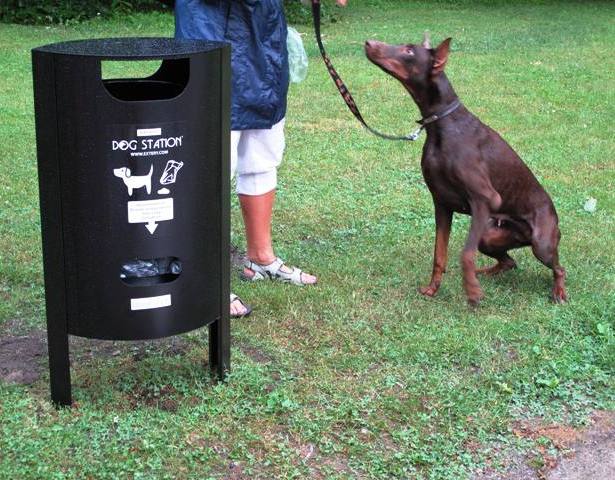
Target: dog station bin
134 194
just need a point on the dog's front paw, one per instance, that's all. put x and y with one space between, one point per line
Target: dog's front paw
429 290
558 295
475 296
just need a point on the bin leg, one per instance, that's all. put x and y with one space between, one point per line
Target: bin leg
220 347
59 368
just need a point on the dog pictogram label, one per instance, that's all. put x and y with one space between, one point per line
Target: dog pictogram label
145 160
134 182
147 303
150 212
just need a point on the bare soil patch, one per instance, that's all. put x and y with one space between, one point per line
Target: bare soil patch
592 455
161 398
23 355
255 354
582 454
238 257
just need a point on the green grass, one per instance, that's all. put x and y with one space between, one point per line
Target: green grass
374 380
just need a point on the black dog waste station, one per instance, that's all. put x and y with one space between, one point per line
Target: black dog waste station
134 194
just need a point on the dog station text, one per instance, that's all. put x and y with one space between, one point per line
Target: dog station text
147 146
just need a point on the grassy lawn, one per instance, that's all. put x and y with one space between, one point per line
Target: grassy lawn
359 377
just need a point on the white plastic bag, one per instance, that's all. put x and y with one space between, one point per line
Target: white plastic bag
297 58
590 205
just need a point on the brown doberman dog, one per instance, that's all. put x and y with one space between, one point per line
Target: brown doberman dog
470 169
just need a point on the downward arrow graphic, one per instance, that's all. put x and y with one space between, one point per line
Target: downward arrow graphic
151 226
150 212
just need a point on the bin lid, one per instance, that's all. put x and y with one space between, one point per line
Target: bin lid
125 48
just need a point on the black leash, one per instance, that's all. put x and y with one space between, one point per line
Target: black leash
347 96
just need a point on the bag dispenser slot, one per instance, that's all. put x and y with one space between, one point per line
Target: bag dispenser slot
153 271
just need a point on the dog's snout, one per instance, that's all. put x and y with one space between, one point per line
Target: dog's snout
374 43
369 48
371 44
373 48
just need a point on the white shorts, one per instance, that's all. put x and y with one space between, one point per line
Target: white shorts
255 157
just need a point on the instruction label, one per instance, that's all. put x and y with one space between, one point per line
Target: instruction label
150 212
148 303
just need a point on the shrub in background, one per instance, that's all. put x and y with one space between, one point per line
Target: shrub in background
66 11
37 12
297 13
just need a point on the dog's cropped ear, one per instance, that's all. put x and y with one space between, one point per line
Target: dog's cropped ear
426 43
440 57
127 172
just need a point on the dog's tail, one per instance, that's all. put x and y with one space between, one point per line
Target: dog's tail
151 170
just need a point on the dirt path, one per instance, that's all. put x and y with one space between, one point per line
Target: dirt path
593 455
582 454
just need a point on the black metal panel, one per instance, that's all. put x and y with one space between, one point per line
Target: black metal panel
134 169
51 225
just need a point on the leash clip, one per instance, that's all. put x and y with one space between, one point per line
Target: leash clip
415 135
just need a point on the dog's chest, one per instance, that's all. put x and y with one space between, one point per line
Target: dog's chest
440 181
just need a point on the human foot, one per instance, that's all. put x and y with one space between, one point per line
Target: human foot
238 308
276 270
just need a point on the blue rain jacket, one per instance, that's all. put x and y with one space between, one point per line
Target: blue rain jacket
256 30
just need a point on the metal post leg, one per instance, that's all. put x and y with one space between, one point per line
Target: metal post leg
59 367
220 347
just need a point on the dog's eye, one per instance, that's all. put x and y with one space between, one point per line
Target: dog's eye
409 51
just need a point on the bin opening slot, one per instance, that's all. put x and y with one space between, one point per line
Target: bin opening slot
152 271
137 81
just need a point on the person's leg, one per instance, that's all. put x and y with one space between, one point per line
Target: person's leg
238 308
259 155
257 211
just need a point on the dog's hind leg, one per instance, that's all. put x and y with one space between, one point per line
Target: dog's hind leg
505 262
498 239
444 219
545 241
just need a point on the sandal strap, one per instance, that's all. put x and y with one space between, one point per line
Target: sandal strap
247 308
274 271
295 276
264 272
